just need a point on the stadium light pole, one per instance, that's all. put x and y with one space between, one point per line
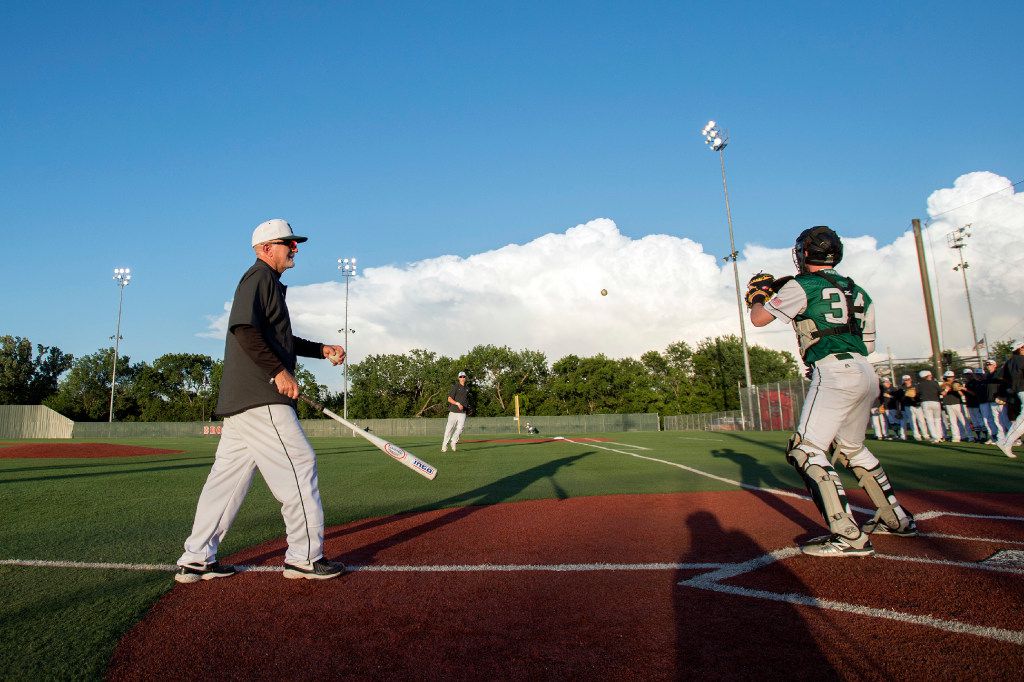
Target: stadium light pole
717 143
122 276
957 240
348 271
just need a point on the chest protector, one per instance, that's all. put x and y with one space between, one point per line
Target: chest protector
807 331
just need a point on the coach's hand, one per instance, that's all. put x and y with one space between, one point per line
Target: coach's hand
286 384
336 354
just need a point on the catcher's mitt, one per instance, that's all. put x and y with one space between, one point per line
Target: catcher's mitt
759 289
910 393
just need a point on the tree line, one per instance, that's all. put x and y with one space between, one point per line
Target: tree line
184 386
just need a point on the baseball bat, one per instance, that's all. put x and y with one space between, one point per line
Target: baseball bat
390 449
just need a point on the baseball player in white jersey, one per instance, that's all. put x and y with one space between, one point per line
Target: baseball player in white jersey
261 428
834 321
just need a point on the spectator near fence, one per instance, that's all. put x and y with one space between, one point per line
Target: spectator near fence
912 417
993 401
1013 379
931 409
974 393
952 395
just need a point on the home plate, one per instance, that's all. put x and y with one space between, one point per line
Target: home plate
1006 558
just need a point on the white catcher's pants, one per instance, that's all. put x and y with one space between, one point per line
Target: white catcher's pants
453 429
837 407
268 438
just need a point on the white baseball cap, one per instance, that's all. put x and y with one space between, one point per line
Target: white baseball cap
905 377
924 373
968 370
462 374
273 229
949 373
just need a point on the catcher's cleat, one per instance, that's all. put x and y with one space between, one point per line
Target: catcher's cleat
906 529
836 546
193 573
321 569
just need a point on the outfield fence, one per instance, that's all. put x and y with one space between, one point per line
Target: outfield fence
35 421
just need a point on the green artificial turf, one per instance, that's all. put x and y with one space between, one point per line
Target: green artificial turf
64 622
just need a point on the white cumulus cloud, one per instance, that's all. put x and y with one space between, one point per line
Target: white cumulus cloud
546 294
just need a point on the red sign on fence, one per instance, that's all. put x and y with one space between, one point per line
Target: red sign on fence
212 430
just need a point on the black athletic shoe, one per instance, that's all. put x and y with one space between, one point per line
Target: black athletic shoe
193 573
321 569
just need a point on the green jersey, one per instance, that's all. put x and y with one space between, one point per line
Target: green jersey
829 312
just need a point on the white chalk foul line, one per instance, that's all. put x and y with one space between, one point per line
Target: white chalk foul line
950 536
710 582
924 516
386 568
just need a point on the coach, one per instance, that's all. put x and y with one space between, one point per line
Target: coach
261 428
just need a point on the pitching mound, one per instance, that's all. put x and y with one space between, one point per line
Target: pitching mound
700 585
78 451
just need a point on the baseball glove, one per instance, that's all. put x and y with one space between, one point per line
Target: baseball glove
759 289
910 393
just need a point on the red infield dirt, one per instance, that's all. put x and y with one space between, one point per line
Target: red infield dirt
463 621
78 451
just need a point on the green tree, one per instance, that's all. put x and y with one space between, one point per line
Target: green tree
84 392
598 385
28 378
499 373
718 365
176 387
1002 350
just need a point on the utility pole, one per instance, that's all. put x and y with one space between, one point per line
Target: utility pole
929 308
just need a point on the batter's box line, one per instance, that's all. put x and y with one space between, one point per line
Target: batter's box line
711 582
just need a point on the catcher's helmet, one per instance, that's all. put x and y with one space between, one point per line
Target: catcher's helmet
818 245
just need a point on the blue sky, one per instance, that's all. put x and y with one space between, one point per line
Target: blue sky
156 137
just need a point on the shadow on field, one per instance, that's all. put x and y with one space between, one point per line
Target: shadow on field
465 505
756 475
120 463
94 474
725 636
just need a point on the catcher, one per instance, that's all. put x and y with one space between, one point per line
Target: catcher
835 326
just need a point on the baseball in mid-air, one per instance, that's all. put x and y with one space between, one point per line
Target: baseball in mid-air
604 292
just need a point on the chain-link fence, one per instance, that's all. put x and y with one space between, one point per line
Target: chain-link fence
707 421
773 406
318 428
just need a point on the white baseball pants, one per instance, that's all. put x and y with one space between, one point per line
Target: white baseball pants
957 423
995 420
837 408
932 411
1016 429
453 429
268 438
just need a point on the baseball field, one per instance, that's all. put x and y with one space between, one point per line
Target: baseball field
626 556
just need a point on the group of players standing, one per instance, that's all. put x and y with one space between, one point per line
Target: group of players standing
978 406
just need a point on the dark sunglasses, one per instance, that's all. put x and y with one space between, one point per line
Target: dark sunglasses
291 244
